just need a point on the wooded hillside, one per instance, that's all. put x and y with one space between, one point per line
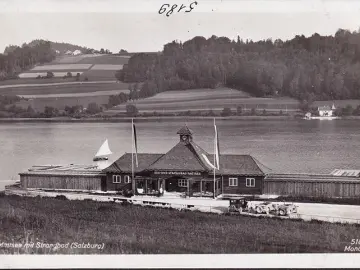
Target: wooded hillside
15 58
313 68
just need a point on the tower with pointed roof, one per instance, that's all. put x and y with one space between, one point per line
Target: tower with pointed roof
185 134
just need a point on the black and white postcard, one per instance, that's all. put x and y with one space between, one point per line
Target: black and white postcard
227 132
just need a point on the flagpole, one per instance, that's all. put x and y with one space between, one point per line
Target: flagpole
214 158
132 152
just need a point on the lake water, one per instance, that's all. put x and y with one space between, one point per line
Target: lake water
284 146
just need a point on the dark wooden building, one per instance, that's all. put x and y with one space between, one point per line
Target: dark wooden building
58 177
313 185
187 169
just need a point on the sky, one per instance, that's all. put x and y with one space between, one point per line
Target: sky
137 26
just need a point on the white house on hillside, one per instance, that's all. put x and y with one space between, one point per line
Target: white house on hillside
76 52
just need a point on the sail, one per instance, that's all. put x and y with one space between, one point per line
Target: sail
104 150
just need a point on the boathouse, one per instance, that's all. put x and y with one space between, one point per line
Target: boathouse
186 169
58 177
326 110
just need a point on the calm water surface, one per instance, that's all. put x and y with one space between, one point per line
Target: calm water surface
284 146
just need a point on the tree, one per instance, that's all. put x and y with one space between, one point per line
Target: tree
348 110
69 74
131 110
50 111
93 108
77 76
49 74
226 112
239 110
122 51
253 111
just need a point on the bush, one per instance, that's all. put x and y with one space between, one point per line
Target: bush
86 79
226 112
49 74
131 110
239 110
61 197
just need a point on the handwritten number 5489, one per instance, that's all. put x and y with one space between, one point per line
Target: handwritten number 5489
171 9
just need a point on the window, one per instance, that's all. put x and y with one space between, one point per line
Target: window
116 179
250 182
182 183
127 179
233 182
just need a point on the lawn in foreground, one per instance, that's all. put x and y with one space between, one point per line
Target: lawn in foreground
136 229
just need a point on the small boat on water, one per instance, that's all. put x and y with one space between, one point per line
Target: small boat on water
103 152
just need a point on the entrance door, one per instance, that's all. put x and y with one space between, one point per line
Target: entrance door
103 184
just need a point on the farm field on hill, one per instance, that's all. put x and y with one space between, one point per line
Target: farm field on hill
88 94
60 103
338 103
122 230
208 99
105 59
63 89
91 59
92 67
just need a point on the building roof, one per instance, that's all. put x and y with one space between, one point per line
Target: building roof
340 172
324 108
72 169
240 165
188 156
310 178
182 157
123 164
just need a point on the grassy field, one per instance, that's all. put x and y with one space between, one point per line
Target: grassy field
105 59
338 103
93 67
208 99
60 103
98 70
62 89
91 59
139 230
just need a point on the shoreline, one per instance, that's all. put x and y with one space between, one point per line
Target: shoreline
139 118
159 118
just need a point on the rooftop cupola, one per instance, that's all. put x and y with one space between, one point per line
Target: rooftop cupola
185 134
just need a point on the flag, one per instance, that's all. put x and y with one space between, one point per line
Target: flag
217 149
135 144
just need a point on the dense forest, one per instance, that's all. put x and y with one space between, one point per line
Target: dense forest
15 58
306 68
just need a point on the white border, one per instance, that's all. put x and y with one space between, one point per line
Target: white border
182 261
218 6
